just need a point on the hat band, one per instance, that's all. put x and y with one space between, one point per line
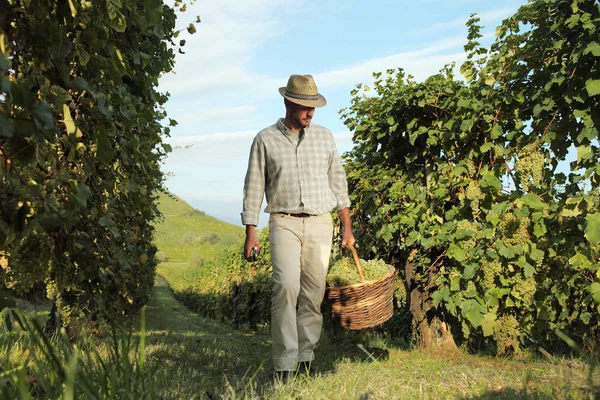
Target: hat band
302 96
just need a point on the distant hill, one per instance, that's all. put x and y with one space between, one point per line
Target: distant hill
186 234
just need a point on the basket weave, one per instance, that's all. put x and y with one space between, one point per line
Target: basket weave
364 304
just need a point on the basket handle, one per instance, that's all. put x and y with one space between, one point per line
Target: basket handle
356 260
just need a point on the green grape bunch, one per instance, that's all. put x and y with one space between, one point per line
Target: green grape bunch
530 167
344 272
515 230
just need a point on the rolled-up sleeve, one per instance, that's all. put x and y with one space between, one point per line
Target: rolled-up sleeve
337 179
254 183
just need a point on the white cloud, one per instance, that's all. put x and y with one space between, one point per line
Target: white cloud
460 22
217 54
421 64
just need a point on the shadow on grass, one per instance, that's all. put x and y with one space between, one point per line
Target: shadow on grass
529 394
196 356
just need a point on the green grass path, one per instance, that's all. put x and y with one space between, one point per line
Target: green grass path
196 357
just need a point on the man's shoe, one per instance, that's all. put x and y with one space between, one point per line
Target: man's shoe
282 376
304 368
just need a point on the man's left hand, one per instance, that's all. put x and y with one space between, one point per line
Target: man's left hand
347 237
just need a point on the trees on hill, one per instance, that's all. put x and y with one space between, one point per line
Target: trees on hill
468 184
80 144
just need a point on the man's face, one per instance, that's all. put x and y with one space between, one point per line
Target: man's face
301 115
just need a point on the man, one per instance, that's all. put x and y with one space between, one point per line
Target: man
296 164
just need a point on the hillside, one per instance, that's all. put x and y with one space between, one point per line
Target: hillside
186 234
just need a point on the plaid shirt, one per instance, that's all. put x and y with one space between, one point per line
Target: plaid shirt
303 178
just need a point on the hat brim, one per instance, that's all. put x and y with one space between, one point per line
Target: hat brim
319 102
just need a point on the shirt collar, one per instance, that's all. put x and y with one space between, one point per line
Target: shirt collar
285 130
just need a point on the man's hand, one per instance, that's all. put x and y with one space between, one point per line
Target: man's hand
347 234
347 237
251 242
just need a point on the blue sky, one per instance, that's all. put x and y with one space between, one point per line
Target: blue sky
225 88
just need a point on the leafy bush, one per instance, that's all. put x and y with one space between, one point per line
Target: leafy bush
81 129
468 187
230 289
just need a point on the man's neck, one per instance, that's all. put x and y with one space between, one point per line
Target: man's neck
291 126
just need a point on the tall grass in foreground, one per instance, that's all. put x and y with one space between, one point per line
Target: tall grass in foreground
34 364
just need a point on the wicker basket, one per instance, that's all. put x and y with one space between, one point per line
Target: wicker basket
365 304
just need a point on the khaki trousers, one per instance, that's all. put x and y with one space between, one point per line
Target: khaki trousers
300 250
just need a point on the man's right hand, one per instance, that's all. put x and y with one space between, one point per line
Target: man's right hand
251 242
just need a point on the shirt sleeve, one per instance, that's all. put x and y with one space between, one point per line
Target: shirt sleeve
254 183
337 178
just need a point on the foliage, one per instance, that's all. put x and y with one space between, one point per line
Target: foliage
53 367
469 185
227 288
80 144
343 272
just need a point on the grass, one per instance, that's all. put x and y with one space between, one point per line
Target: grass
188 235
199 358
187 356
179 274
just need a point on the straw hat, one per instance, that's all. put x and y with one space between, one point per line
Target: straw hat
302 89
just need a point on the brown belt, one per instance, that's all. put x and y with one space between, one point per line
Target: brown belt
299 215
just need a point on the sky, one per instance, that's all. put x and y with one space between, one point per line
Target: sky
224 89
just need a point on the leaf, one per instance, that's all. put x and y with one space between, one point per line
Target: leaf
592 228
584 153
493 218
466 125
6 127
593 86
497 131
73 9
489 180
105 151
532 201
539 229
4 66
592 47
528 270
105 221
436 297
43 115
489 323
580 262
486 147
506 251
470 271
456 252
69 123
475 317
455 283
595 291
83 193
